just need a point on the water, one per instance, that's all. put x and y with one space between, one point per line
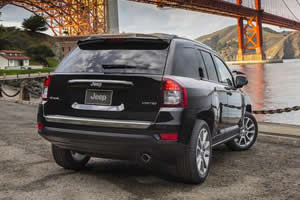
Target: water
273 86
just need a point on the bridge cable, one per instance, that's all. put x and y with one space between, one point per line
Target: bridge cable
290 10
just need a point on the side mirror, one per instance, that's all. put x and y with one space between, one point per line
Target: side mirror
238 72
240 81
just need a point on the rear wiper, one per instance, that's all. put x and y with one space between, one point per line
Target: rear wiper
119 66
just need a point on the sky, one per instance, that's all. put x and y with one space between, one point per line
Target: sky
144 18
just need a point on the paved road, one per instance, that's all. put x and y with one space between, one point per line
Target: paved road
27 170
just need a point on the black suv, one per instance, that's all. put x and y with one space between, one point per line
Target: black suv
145 98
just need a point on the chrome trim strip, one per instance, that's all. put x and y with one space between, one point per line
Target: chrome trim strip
166 109
78 106
100 81
97 122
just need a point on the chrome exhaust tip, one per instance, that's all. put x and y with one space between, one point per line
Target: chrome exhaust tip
146 158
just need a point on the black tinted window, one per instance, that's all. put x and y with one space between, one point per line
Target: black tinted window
224 74
202 68
114 61
186 63
211 70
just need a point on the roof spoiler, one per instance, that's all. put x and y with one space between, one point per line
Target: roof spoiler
124 42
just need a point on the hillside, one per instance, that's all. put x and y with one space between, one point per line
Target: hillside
15 39
277 45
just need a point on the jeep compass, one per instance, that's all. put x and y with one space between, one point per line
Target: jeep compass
145 98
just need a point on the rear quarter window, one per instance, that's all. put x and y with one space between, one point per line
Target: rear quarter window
186 62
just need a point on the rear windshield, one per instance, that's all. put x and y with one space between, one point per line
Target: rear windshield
114 61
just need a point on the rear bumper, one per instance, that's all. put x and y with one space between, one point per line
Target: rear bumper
112 145
114 139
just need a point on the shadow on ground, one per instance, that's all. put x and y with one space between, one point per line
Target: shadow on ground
149 182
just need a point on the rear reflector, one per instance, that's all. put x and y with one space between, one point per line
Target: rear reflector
40 126
169 136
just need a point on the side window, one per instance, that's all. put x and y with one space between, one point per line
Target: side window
211 70
202 68
186 63
224 74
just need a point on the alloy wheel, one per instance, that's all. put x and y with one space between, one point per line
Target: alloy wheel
203 152
247 133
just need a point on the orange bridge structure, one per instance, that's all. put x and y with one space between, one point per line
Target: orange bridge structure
79 18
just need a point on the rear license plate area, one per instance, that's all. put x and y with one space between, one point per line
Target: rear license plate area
98 97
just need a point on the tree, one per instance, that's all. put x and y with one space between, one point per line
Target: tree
40 54
4 44
35 24
2 29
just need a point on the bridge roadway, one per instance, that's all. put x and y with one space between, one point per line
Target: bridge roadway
27 171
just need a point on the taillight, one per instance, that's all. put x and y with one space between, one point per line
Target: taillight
40 126
174 95
45 89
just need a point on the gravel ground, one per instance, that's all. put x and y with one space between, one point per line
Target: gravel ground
27 171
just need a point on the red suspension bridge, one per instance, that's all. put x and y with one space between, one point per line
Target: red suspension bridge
84 17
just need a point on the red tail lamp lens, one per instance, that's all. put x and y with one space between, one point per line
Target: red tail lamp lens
45 90
169 136
47 81
40 126
171 85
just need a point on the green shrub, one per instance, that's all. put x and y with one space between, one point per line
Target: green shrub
52 62
40 54
25 71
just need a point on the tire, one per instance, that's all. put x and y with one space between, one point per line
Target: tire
248 134
187 164
69 159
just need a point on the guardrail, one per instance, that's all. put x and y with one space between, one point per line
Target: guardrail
24 76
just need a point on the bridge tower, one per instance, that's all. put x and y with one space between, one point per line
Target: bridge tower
250 35
71 20
110 17
73 17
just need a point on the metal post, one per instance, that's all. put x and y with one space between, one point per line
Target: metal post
240 29
24 94
1 90
112 16
259 31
